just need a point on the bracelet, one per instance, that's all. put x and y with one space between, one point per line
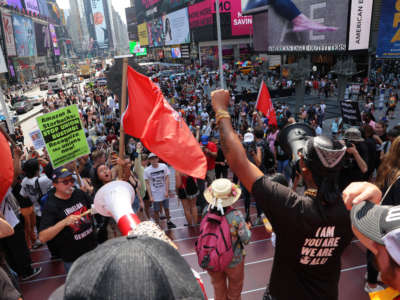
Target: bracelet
221 114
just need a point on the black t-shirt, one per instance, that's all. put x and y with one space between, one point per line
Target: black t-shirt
76 239
392 196
351 171
280 154
310 242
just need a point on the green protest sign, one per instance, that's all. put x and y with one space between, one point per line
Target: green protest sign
63 134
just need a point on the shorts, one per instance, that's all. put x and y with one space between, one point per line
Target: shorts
182 194
156 205
136 204
146 197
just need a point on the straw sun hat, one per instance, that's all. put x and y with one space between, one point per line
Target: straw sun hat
222 193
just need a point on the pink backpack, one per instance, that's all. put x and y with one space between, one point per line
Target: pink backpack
214 244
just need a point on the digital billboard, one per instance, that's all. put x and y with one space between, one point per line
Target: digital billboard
135 48
155 32
176 27
260 41
360 24
42 39
389 31
9 35
54 41
142 34
176 52
100 23
310 25
241 25
43 8
15 3
32 6
24 35
200 14
253 6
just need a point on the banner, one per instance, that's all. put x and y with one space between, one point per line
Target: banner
63 134
54 41
389 31
32 6
100 23
330 17
24 34
43 8
252 6
350 112
15 3
360 24
42 39
142 34
176 27
37 139
9 35
155 31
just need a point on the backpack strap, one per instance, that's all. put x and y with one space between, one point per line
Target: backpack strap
37 186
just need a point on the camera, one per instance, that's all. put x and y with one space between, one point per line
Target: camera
250 147
348 143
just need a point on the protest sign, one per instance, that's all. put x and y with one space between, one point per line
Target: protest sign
350 112
37 139
63 134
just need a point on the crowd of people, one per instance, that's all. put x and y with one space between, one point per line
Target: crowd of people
300 197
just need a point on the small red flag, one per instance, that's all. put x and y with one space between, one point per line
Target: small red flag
264 104
6 168
160 128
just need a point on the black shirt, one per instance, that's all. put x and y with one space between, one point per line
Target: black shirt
351 171
76 239
310 242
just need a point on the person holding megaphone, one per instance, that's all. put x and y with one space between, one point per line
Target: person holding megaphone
312 230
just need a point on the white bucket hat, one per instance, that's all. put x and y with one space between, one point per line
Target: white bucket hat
222 193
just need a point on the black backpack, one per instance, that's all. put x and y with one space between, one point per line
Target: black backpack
268 159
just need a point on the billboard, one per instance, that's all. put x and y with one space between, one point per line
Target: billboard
24 35
252 6
360 24
389 31
142 34
260 41
134 48
54 41
43 8
176 27
200 14
155 32
176 52
100 23
9 35
32 6
42 39
241 25
325 29
15 3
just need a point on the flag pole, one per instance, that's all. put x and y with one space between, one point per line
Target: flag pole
221 71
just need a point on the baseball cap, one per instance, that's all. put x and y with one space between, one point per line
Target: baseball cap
61 172
353 134
380 223
131 267
204 139
248 137
151 155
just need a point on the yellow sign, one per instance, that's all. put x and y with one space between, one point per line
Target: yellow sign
142 33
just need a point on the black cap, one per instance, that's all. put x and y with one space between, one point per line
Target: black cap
132 267
61 172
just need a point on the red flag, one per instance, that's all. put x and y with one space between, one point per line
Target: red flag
160 128
7 167
264 104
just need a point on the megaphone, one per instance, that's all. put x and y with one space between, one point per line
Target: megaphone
115 200
293 138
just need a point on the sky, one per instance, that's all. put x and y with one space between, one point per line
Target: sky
119 6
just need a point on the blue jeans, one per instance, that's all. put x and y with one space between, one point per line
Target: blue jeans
67 266
283 168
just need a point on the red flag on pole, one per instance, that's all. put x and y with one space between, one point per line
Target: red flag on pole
160 128
7 167
264 104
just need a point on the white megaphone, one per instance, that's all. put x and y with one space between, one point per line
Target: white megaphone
115 200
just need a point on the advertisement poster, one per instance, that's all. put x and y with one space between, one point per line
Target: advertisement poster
155 31
176 27
241 25
37 139
63 134
15 3
200 14
360 24
24 34
176 52
54 41
42 39
32 6
100 23
142 33
389 31
252 6
9 35
43 8
329 17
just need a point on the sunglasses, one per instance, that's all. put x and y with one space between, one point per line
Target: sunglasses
66 181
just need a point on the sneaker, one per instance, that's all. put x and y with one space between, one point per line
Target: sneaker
258 221
37 244
171 225
35 272
369 289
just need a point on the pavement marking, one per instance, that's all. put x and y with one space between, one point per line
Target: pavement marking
353 268
42 279
249 263
47 261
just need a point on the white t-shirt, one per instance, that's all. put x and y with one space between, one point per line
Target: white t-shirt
29 190
157 179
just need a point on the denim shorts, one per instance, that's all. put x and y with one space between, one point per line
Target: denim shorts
136 204
156 204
